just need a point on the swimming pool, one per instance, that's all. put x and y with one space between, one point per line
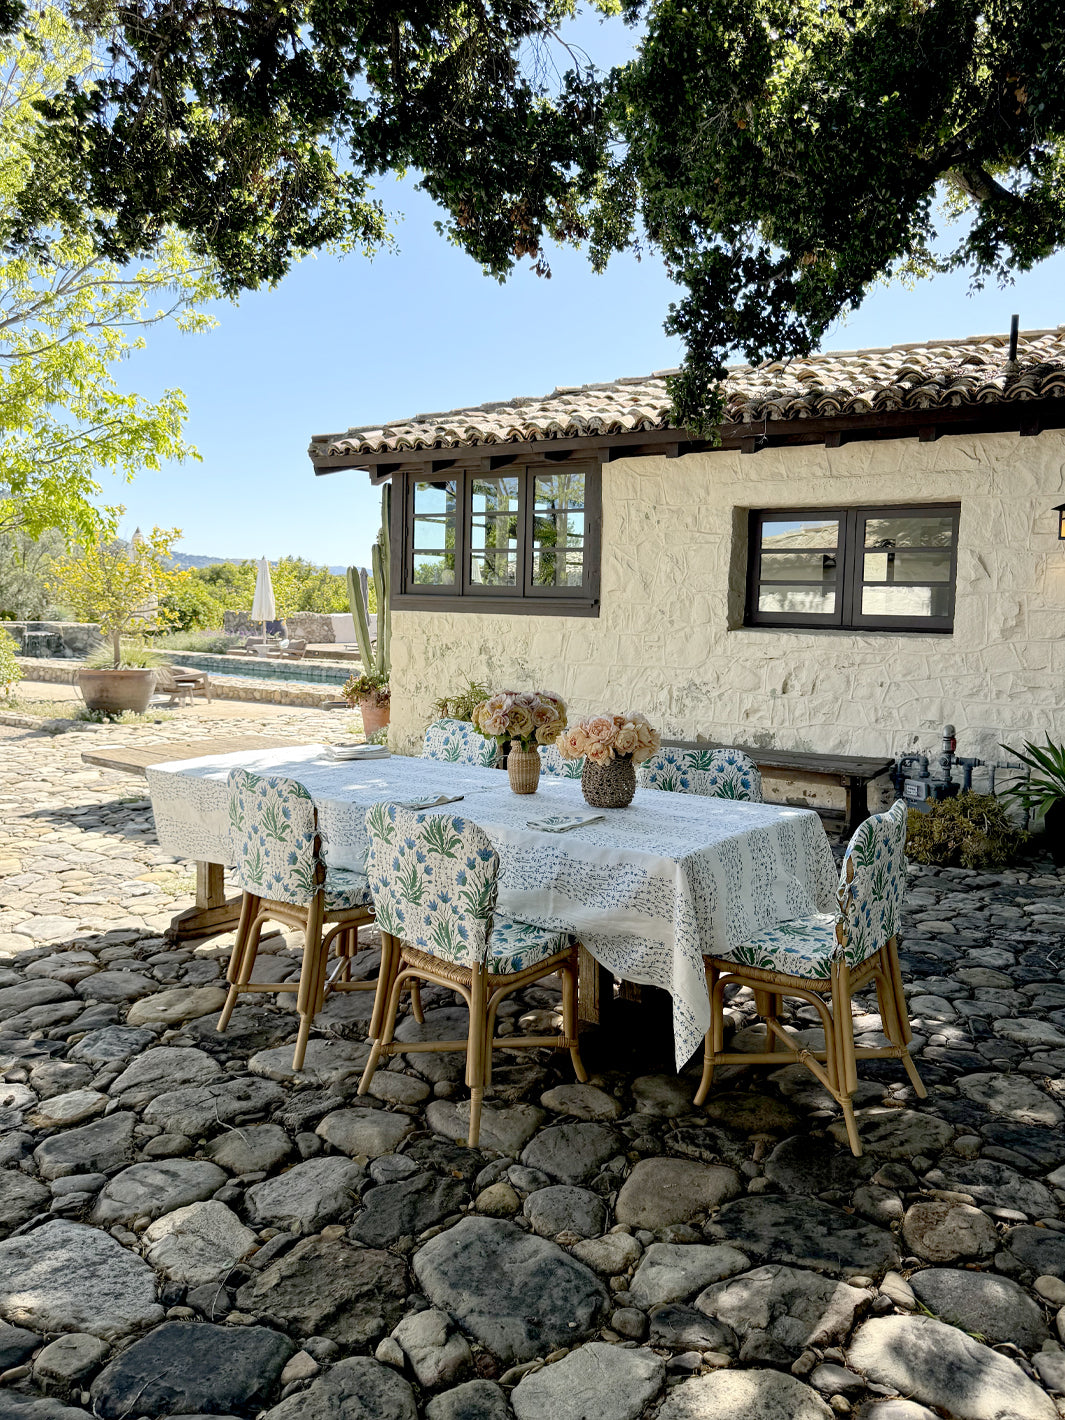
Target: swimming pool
254 668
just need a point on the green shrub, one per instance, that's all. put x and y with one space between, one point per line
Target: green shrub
462 704
969 831
215 643
135 656
10 670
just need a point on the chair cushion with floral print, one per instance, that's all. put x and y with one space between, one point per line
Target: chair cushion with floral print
551 762
873 881
434 881
515 945
804 947
345 888
276 850
457 742
716 773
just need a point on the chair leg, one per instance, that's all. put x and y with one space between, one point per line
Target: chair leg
767 1004
384 985
716 1005
312 978
905 1033
245 950
569 1018
845 1075
389 1022
476 1044
416 1002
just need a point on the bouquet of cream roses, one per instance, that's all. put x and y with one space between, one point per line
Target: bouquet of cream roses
524 717
605 737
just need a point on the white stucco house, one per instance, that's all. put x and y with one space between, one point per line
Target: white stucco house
873 550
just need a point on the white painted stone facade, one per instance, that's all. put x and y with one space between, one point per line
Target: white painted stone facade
669 638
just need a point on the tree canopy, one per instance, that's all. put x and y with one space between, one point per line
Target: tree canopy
257 129
782 155
69 316
785 155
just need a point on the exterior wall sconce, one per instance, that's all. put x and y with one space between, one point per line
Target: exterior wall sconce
1060 510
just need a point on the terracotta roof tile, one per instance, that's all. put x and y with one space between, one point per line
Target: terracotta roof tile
933 375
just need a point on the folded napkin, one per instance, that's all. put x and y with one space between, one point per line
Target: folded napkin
359 751
433 803
561 823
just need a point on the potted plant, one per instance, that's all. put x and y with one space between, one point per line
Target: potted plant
1044 791
119 585
523 719
369 691
611 746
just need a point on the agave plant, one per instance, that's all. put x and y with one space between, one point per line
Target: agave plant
1045 785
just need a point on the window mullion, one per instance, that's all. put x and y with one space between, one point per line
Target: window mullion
850 569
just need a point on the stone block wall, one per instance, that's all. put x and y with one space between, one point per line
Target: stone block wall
76 639
669 639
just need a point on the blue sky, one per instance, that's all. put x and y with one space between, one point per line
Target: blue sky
350 342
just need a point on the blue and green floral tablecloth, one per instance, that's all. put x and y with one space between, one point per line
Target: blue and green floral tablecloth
649 889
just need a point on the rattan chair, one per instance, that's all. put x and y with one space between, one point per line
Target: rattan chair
717 773
280 866
457 742
434 880
552 763
825 960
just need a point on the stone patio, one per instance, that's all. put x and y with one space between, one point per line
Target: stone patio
188 1229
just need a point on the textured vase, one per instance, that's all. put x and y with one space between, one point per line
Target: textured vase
523 769
609 786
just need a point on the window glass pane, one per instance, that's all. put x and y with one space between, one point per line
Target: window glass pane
494 532
558 529
910 530
905 601
798 567
907 566
813 531
796 599
433 533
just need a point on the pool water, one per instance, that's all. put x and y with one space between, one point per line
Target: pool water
254 668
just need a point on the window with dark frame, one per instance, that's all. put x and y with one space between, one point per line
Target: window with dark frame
883 568
520 538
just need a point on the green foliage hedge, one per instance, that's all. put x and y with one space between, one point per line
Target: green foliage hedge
968 831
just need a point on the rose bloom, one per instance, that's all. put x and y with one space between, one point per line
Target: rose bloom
625 741
520 721
543 712
600 753
600 729
548 734
572 743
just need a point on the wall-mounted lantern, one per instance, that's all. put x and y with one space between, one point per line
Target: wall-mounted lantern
1060 510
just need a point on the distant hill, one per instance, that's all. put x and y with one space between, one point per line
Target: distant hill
183 560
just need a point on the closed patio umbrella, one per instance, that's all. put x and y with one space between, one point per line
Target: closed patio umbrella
263 606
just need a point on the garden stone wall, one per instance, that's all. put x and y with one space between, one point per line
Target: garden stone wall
670 641
76 639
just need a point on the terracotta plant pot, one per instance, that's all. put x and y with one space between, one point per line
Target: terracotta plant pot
374 715
523 769
609 786
1054 828
113 691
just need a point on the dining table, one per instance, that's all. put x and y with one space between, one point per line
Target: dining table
649 889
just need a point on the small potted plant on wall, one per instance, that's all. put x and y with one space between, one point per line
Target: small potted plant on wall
369 691
119 586
1043 792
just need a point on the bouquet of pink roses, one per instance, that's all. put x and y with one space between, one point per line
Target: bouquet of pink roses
602 738
524 717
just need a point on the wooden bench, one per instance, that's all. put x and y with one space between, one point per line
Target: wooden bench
797 773
213 913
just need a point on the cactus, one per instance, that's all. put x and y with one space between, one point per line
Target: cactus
377 660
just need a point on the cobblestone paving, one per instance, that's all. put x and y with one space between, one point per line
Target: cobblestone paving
187 1229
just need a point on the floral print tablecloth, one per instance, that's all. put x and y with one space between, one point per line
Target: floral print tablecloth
649 889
